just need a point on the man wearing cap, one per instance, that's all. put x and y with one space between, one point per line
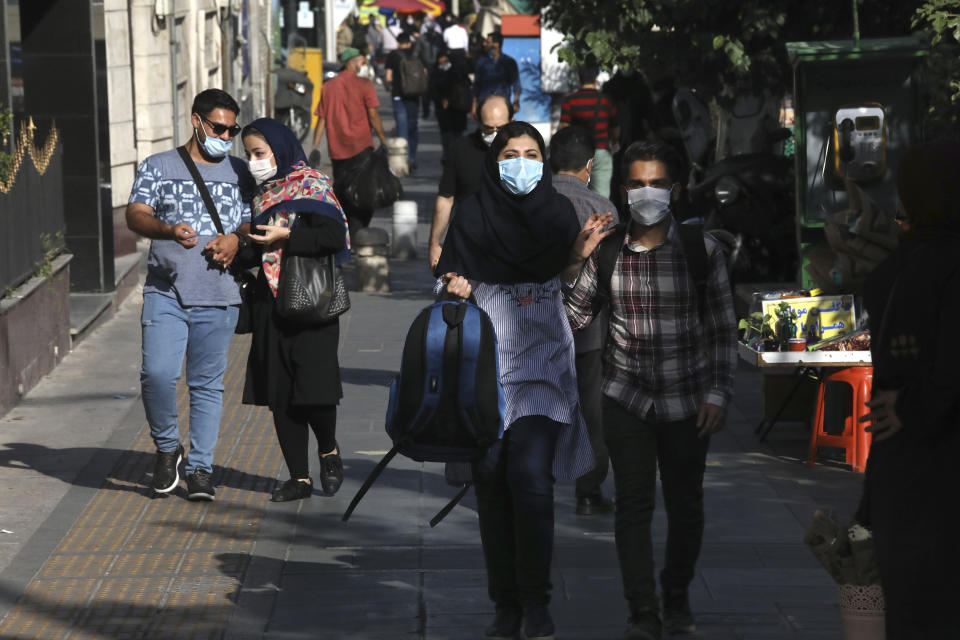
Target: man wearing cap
347 111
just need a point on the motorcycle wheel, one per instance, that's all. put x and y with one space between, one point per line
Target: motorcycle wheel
298 120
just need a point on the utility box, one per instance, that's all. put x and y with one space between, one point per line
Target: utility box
857 108
310 61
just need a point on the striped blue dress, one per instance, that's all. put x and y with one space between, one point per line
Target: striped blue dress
535 349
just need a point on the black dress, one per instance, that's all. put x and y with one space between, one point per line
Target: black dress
293 364
910 498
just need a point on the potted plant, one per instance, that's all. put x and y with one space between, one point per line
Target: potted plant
758 332
847 554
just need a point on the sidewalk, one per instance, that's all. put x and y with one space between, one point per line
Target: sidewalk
93 554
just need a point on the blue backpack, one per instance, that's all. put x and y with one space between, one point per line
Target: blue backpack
447 403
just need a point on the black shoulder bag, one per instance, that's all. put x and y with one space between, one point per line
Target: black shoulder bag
243 277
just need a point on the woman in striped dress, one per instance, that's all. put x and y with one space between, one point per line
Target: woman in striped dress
507 247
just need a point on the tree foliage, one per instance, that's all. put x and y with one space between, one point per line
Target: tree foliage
941 20
716 46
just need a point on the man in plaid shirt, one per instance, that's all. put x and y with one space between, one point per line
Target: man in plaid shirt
667 379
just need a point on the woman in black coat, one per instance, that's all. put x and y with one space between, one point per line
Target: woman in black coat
910 498
293 368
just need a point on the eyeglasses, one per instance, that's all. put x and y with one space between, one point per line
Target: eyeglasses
220 129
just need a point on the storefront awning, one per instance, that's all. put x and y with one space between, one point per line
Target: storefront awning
433 7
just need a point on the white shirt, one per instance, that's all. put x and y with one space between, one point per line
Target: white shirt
456 37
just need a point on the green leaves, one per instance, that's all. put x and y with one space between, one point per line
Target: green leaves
721 48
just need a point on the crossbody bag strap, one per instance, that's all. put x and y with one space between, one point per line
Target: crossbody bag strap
201 187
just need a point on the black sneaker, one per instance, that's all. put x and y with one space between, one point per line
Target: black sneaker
593 504
292 489
331 472
644 624
165 476
677 615
538 625
506 623
200 486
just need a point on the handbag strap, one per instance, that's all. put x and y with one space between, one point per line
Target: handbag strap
201 187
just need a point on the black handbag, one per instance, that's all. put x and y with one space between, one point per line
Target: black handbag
244 278
245 317
311 290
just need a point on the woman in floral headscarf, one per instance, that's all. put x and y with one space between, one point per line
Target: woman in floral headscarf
292 367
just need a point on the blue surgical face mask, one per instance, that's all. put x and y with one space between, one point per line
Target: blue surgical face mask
520 175
215 147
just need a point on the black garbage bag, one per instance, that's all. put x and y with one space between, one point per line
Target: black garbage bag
369 182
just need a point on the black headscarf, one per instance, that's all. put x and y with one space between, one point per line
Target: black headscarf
501 238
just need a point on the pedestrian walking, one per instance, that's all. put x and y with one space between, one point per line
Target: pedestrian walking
190 300
463 168
456 39
451 96
408 79
292 367
668 372
496 72
572 159
589 108
507 247
347 110
913 300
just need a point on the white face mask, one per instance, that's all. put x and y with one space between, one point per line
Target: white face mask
649 206
488 137
262 170
366 71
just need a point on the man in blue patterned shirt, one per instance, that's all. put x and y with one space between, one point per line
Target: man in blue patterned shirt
190 300
669 362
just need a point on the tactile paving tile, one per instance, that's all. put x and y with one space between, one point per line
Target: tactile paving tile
136 565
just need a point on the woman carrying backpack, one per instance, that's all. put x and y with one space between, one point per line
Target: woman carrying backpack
293 368
507 247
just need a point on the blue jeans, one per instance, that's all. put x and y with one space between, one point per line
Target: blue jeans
406 113
203 334
514 485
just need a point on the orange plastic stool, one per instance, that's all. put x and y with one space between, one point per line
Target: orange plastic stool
854 440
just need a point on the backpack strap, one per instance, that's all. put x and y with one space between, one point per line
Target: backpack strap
607 254
450 505
433 375
377 470
469 358
698 263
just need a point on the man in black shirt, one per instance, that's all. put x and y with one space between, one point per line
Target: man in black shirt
463 167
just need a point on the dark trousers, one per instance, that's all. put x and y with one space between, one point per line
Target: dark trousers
292 425
589 372
636 448
912 509
356 218
514 485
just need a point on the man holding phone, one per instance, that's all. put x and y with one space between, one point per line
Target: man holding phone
190 300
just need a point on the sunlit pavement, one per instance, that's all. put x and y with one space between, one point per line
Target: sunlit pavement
86 550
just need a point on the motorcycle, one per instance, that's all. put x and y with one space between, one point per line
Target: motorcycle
292 101
745 200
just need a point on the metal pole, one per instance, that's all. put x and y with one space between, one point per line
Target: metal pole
856 25
330 30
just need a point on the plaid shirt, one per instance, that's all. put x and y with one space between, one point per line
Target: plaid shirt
659 352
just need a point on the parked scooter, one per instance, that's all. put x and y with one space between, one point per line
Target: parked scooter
293 99
748 197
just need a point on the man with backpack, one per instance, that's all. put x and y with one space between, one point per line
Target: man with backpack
408 79
669 362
